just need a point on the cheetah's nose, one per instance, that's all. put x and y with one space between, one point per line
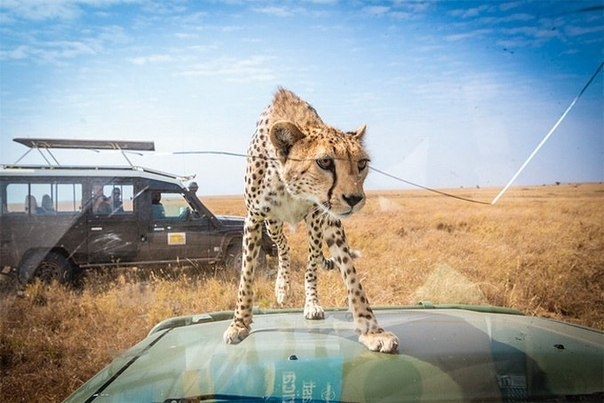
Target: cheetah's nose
353 199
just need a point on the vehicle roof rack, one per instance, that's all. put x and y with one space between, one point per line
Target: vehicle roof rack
48 144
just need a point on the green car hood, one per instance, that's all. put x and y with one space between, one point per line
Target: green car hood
446 354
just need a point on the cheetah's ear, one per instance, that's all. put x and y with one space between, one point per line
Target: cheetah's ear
284 134
359 133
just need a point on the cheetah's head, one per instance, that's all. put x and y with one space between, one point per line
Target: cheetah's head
323 165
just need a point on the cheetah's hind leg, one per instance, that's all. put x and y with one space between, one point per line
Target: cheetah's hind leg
330 264
275 230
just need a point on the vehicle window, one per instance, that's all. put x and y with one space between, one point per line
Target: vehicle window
49 198
16 195
69 197
112 198
166 205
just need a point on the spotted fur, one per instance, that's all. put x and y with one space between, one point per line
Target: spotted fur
299 168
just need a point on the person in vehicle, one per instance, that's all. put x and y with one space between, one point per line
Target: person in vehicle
193 187
157 209
116 201
31 205
47 205
100 202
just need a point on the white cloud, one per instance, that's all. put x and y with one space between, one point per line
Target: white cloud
328 2
398 10
510 5
402 15
185 35
470 12
275 11
158 58
470 34
572 30
414 6
38 10
534 36
50 52
254 68
20 52
112 34
376 10
497 21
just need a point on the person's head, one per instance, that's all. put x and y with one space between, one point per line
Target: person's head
31 203
116 194
47 202
97 189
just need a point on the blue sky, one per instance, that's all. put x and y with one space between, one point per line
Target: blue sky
453 93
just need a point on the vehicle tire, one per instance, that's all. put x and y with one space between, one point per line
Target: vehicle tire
48 267
233 257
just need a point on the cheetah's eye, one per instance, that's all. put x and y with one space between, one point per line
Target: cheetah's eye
362 164
325 163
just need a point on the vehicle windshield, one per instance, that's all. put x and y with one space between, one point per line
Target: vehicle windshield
483 150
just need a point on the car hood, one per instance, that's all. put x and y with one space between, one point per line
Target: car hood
446 353
231 221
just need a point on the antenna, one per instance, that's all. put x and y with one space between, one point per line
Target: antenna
548 135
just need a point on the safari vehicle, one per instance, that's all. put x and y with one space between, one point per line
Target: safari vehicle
447 353
57 219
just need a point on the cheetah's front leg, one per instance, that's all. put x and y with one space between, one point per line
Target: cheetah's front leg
371 334
240 327
314 225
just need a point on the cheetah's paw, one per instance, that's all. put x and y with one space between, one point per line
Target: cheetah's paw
235 333
383 342
313 311
281 291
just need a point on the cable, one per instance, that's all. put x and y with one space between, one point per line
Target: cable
440 192
210 153
548 135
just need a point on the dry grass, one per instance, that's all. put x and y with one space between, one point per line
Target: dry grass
540 250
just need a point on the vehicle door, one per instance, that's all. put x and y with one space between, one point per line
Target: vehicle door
113 233
176 232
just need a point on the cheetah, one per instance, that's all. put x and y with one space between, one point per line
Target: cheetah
299 168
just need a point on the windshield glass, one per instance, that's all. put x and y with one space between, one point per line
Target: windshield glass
483 153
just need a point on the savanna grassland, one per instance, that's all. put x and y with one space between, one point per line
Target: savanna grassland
539 250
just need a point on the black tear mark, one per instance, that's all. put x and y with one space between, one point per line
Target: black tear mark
333 185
